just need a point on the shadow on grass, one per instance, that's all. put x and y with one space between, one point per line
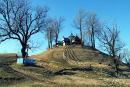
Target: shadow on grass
21 77
11 78
65 71
70 71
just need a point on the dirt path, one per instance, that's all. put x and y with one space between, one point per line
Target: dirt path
70 54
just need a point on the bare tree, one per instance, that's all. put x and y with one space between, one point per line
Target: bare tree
109 40
53 28
18 21
49 31
93 28
57 28
79 22
125 56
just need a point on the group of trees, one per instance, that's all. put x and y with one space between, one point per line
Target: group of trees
89 23
19 21
108 37
53 28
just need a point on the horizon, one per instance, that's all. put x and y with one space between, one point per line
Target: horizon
108 12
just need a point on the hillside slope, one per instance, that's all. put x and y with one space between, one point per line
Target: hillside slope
84 66
71 66
75 56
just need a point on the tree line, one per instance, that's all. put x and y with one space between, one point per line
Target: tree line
108 36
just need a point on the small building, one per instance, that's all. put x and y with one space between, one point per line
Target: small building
25 61
66 41
74 39
20 60
29 61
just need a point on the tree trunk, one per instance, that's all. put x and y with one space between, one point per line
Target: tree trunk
48 44
23 51
49 38
81 36
56 41
93 38
116 63
51 43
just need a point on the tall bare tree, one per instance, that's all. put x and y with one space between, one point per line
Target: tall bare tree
57 25
53 28
50 32
18 21
79 22
110 41
93 28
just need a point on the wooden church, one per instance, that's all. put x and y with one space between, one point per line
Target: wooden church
72 39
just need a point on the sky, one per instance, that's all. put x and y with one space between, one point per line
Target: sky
108 11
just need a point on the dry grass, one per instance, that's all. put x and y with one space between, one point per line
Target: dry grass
51 62
39 78
8 55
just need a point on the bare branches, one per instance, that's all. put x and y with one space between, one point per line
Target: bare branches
49 32
93 28
109 39
79 22
125 56
57 25
20 22
53 28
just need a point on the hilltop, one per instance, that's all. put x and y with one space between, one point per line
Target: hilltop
75 56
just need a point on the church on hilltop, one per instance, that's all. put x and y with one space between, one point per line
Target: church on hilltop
72 39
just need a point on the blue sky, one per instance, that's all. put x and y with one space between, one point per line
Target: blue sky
108 11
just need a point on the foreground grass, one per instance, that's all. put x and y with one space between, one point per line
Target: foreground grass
40 77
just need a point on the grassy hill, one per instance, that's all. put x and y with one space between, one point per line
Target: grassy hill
8 55
71 66
7 58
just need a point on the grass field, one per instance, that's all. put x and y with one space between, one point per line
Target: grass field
40 77
52 70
